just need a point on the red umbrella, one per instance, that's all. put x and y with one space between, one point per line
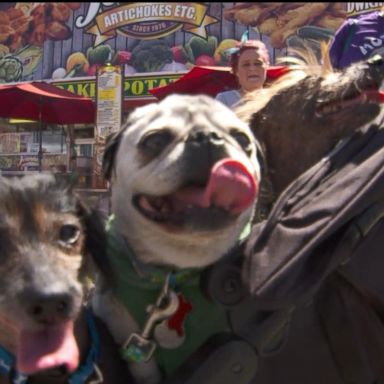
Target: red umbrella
209 81
46 103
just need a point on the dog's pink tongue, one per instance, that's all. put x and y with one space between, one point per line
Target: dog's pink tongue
230 186
50 348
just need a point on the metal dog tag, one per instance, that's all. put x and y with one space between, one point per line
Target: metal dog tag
140 348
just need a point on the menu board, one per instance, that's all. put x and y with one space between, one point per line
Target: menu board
109 99
14 142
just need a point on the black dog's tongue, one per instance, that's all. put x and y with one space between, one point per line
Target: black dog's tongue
231 186
50 348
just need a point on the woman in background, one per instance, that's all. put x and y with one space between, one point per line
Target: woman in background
249 63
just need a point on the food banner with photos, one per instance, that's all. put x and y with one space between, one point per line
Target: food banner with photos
73 39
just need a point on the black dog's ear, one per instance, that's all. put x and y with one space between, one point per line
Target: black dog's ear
95 241
111 147
67 182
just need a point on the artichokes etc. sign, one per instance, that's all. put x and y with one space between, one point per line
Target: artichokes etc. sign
145 20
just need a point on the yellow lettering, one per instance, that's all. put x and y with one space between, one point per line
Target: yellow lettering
71 88
150 83
137 87
92 90
163 82
82 89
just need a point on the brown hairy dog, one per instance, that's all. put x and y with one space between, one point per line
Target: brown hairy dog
47 235
335 336
305 113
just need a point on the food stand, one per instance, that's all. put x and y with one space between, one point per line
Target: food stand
40 103
156 44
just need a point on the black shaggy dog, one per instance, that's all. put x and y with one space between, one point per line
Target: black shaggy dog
336 335
49 239
306 112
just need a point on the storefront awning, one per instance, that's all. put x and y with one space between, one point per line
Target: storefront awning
46 103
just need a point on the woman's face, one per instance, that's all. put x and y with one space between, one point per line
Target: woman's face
251 70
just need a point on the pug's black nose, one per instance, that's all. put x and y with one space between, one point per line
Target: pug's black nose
202 150
203 137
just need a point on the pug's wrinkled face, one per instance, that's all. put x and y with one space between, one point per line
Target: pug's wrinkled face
184 176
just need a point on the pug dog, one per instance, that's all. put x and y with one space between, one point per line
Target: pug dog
184 177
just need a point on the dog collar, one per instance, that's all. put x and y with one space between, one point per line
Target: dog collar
130 268
7 360
90 366
156 275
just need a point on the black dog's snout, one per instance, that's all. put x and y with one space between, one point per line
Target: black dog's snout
49 308
376 60
202 137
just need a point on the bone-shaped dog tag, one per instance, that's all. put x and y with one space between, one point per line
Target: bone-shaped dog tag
166 337
170 333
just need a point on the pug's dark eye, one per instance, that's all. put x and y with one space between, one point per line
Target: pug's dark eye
243 140
69 234
154 142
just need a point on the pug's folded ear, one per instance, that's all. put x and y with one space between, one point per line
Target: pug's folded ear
111 147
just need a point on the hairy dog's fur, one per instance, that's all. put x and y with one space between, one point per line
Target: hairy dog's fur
184 178
48 239
304 114
298 120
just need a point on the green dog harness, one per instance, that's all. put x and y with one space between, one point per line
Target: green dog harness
195 320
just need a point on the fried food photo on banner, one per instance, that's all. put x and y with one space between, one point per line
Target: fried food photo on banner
33 23
278 21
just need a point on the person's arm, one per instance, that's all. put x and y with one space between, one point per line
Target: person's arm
221 97
228 98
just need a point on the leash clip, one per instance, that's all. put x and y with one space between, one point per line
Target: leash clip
140 347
